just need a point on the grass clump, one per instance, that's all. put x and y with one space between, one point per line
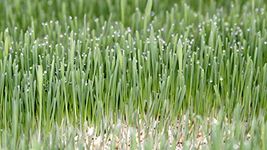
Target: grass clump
133 74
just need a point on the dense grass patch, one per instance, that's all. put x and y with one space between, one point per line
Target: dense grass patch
68 65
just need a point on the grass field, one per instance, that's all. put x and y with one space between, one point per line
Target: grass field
133 74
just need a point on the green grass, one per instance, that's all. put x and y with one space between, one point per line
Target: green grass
68 65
